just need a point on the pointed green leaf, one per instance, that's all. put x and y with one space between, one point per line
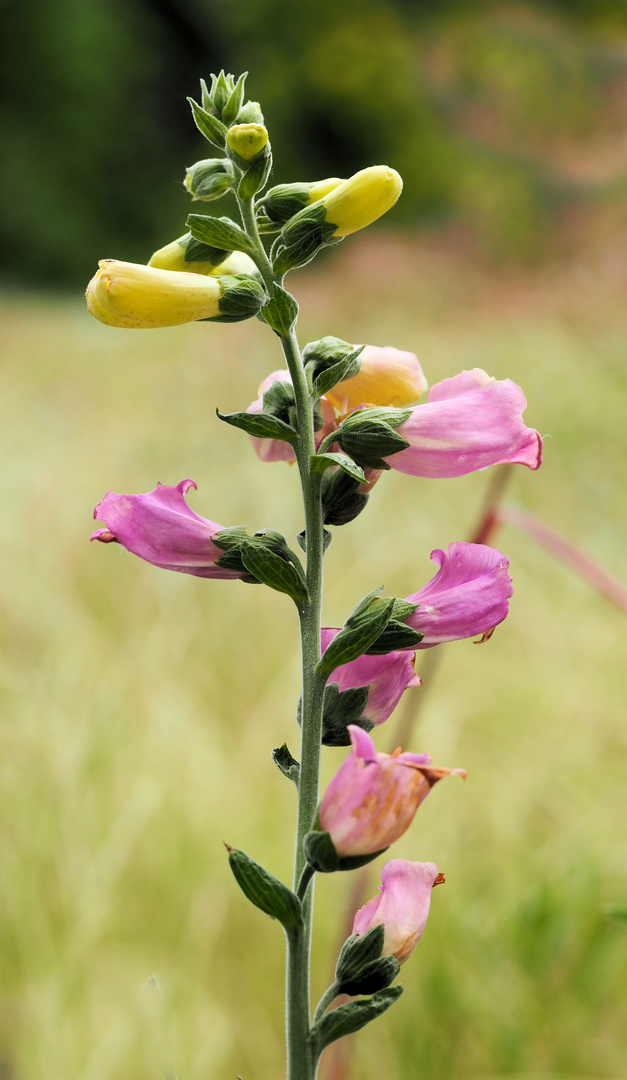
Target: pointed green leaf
260 425
273 571
219 233
345 368
359 632
235 102
208 125
287 764
264 890
320 462
349 1018
280 312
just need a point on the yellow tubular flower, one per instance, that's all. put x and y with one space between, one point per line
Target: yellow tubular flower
237 262
387 376
247 140
319 188
361 199
141 297
172 257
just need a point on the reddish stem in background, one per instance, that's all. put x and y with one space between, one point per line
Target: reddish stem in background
336 1065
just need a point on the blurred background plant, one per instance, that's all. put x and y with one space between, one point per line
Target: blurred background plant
508 120
134 738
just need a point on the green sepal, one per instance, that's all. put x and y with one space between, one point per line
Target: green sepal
264 890
320 852
256 175
219 232
355 862
301 539
363 626
360 968
265 225
274 571
329 361
318 463
301 238
280 203
280 312
260 425
346 1019
243 298
234 103
195 251
230 540
342 500
340 708
220 91
371 443
397 634
286 764
209 126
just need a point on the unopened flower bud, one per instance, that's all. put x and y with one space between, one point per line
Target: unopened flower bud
134 296
250 113
401 906
209 179
361 199
280 203
247 140
174 257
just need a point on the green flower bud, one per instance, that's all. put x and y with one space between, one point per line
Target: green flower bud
209 179
280 203
241 298
247 141
250 113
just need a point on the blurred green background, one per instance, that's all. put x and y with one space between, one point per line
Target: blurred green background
139 707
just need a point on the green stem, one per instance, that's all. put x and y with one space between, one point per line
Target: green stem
326 999
301 1065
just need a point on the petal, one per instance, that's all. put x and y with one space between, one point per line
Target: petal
387 376
468 422
468 595
161 528
387 677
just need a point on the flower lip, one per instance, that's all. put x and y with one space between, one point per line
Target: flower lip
161 528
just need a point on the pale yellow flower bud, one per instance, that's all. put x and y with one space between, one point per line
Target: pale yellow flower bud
247 140
361 199
319 188
172 257
387 376
142 297
237 262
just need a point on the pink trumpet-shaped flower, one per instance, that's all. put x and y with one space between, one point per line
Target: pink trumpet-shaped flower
275 449
162 529
401 905
373 797
469 594
467 423
387 376
387 677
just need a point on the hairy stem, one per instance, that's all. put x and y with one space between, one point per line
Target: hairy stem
301 1065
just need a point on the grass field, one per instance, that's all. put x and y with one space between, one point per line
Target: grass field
139 707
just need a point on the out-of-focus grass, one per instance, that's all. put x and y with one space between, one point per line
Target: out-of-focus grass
139 707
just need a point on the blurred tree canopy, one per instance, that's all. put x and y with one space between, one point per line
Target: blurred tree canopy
502 117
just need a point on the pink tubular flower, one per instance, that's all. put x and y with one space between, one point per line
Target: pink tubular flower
275 449
387 376
162 529
372 798
402 906
467 423
469 594
387 677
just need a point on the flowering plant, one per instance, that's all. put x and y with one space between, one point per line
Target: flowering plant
345 414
